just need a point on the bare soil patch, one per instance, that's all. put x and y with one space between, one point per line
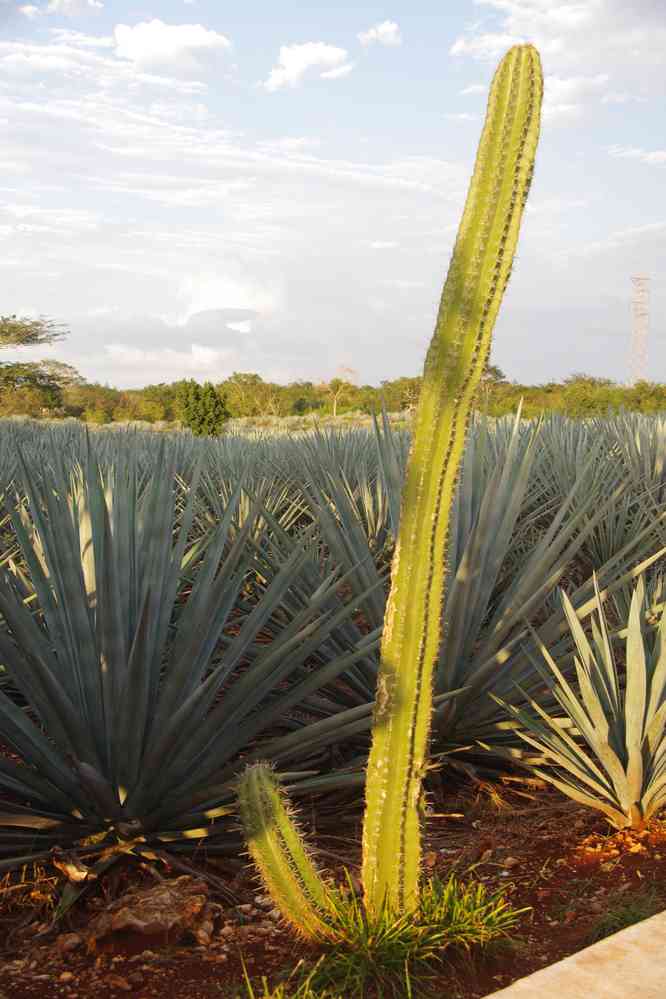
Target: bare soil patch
550 854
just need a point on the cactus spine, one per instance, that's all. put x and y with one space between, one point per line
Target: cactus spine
459 350
477 277
280 854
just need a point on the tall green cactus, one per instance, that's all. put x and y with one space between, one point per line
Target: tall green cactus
478 275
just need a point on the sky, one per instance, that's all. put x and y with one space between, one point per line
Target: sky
196 187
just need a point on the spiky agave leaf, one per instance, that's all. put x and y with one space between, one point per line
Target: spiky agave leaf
144 686
613 756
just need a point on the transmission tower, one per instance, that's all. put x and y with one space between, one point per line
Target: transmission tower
640 314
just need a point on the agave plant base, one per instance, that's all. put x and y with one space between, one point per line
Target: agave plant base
581 879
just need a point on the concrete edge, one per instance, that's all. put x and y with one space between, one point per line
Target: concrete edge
630 964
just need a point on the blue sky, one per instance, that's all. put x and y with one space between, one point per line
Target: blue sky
196 188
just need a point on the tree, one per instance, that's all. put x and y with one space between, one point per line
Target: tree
492 377
401 393
36 384
138 406
338 390
202 408
15 332
62 374
32 388
243 392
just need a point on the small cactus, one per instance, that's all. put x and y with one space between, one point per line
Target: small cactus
280 853
478 275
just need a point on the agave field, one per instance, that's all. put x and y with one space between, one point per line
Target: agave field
195 634
175 608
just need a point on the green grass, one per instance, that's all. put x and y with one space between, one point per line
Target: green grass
625 910
394 955
298 986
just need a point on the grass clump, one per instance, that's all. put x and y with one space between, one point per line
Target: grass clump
625 910
390 953
299 985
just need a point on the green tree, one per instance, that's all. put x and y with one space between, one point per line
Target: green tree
32 388
401 393
15 332
202 408
37 385
242 393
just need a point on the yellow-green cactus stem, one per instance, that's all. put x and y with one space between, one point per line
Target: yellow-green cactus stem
280 855
478 275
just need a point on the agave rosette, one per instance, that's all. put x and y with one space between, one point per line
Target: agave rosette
142 675
606 746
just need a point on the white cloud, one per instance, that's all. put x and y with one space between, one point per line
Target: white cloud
103 310
68 8
294 61
595 34
474 88
199 360
402 284
73 7
565 97
652 157
154 44
39 218
73 56
66 37
621 97
292 145
487 46
243 326
383 245
335 74
632 237
206 292
386 33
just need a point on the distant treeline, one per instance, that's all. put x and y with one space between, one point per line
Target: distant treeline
31 390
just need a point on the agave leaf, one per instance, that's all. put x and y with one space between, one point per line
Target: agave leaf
635 695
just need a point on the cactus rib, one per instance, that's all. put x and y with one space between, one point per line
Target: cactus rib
280 855
478 275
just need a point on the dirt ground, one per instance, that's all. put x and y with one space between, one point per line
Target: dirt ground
552 855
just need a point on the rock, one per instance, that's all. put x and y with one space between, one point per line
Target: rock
164 912
204 931
66 976
246 909
275 914
227 931
118 982
510 862
136 979
67 942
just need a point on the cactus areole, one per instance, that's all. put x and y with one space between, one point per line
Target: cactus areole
478 275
